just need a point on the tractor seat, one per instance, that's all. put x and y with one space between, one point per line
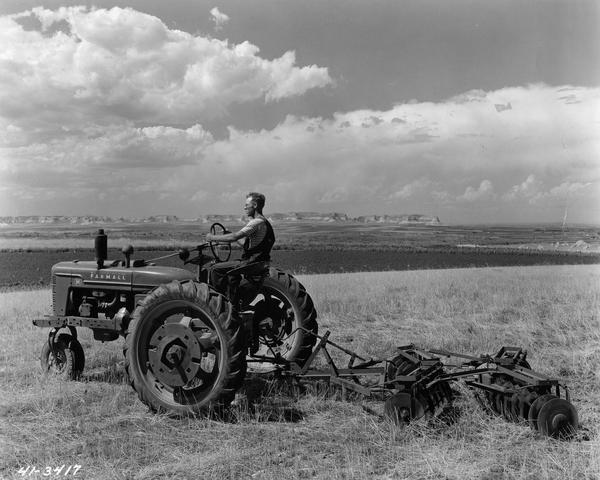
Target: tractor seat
252 269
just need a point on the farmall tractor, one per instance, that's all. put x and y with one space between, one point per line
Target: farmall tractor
186 345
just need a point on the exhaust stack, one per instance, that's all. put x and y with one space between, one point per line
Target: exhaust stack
101 246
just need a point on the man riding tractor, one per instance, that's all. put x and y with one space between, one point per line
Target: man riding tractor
257 239
187 342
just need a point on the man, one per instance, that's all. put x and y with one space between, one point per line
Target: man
256 237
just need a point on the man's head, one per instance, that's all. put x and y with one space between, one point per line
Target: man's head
254 202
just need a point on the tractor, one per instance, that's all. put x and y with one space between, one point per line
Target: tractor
187 346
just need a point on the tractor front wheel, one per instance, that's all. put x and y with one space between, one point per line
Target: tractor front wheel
66 361
184 353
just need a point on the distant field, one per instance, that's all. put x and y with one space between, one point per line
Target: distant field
25 269
304 235
100 424
27 252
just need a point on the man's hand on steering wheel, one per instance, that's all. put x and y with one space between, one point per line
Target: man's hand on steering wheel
213 244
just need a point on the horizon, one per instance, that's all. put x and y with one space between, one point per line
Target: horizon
200 216
475 112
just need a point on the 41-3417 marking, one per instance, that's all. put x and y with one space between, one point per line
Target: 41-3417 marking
48 471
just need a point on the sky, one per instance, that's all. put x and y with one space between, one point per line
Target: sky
472 111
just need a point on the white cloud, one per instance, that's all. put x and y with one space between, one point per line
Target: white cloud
418 186
457 152
219 18
567 190
485 191
288 80
339 194
530 188
426 157
535 192
112 65
90 157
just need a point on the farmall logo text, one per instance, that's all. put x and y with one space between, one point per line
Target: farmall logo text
107 276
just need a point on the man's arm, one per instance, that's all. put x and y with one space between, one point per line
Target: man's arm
227 237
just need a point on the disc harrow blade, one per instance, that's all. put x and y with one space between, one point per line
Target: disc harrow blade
507 408
499 403
401 408
535 408
404 407
557 418
525 404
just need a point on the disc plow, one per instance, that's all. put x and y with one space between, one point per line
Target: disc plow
416 383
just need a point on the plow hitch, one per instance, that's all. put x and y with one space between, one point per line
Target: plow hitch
417 382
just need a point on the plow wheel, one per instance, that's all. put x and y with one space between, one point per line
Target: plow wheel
535 408
184 352
401 408
67 360
281 307
557 418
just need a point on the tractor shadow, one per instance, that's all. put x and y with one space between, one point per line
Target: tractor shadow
265 398
262 397
113 373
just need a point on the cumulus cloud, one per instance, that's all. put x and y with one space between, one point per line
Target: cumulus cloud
117 168
219 18
485 191
408 190
104 66
100 111
339 194
568 190
101 160
452 153
529 188
534 191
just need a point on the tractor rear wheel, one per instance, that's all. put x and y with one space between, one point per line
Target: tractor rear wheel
184 353
281 308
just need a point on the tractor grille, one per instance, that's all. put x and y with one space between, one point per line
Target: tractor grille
53 291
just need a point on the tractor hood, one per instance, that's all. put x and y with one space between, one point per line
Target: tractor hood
86 274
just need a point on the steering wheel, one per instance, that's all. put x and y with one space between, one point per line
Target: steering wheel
214 245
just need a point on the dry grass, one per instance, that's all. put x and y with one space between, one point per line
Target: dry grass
99 423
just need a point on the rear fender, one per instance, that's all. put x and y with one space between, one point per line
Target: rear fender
249 289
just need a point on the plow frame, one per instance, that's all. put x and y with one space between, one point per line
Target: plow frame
429 369
416 382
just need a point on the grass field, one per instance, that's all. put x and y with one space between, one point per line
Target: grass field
98 422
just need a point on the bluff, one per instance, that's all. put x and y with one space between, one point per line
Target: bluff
315 217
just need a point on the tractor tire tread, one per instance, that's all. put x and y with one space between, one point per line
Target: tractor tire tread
222 313
307 308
